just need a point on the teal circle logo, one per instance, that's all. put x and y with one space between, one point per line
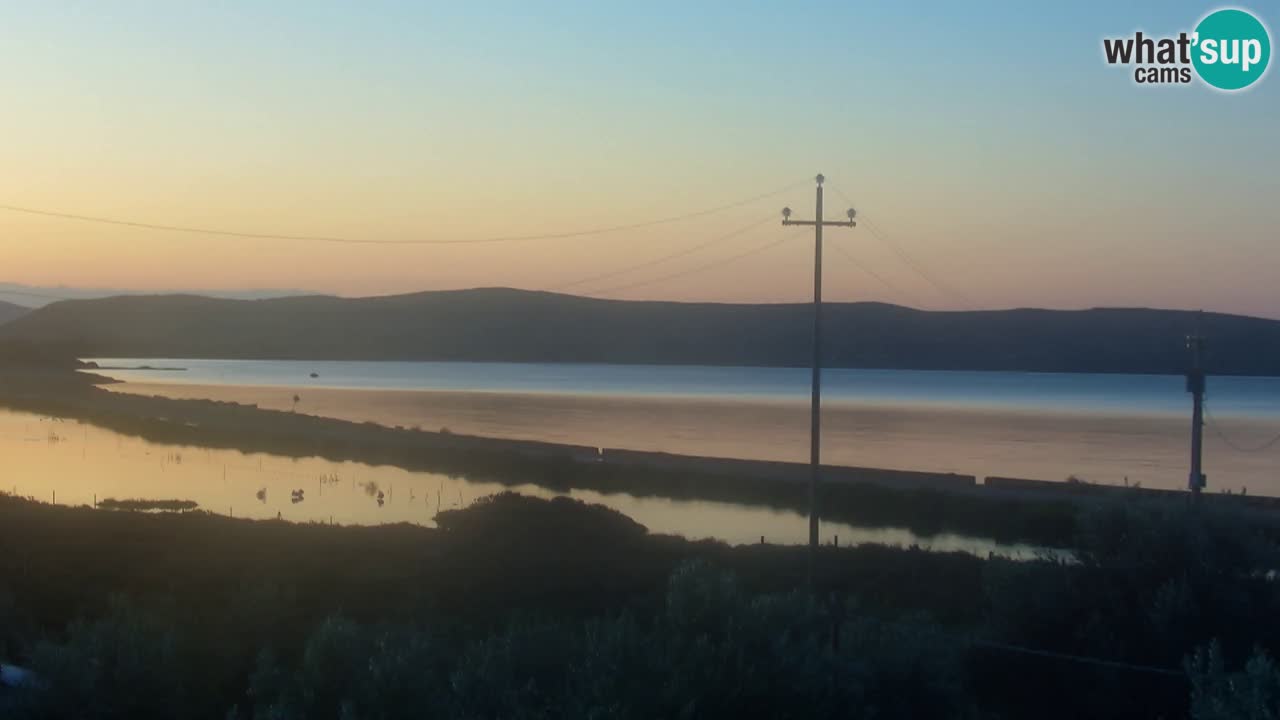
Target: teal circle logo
1232 49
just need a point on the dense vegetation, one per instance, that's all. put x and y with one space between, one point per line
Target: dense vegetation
144 504
529 609
520 326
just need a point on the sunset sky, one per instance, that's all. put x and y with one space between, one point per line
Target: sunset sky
988 140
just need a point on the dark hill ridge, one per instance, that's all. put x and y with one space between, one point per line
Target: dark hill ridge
521 326
9 311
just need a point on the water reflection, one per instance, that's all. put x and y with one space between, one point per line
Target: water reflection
73 463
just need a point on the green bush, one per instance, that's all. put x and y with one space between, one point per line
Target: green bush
1151 582
1252 693
125 665
710 650
351 672
713 651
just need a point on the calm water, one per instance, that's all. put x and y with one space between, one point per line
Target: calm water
75 463
1066 392
1110 429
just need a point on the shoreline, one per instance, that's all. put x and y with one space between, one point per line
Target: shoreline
805 367
925 503
1103 449
179 389
1009 518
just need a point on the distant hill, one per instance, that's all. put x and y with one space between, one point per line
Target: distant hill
40 295
521 326
9 311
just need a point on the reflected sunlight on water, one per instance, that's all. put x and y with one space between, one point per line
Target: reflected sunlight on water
73 463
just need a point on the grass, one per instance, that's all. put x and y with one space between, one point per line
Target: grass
137 504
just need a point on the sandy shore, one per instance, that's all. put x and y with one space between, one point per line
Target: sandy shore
1051 446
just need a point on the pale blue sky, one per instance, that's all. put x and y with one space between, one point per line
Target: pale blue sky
988 138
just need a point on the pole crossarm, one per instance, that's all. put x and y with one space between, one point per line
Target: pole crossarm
824 223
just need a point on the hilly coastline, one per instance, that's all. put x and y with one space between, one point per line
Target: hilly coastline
505 325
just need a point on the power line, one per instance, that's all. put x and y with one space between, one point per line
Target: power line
868 271
972 640
665 258
620 271
370 241
45 296
916 266
1212 422
1099 662
690 271
919 269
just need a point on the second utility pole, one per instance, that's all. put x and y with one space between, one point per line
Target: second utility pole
815 419
1195 386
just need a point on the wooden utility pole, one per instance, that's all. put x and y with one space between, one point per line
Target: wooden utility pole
1195 385
815 410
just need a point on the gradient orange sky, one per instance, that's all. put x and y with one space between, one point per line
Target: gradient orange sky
991 143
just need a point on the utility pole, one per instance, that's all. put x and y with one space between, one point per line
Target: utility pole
815 410
1195 385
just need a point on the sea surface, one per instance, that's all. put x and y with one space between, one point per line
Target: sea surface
1061 392
1110 429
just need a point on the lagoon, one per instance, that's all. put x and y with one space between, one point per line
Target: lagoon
75 463
1111 429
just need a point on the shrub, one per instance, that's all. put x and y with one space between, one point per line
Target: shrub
713 651
123 665
1250 694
